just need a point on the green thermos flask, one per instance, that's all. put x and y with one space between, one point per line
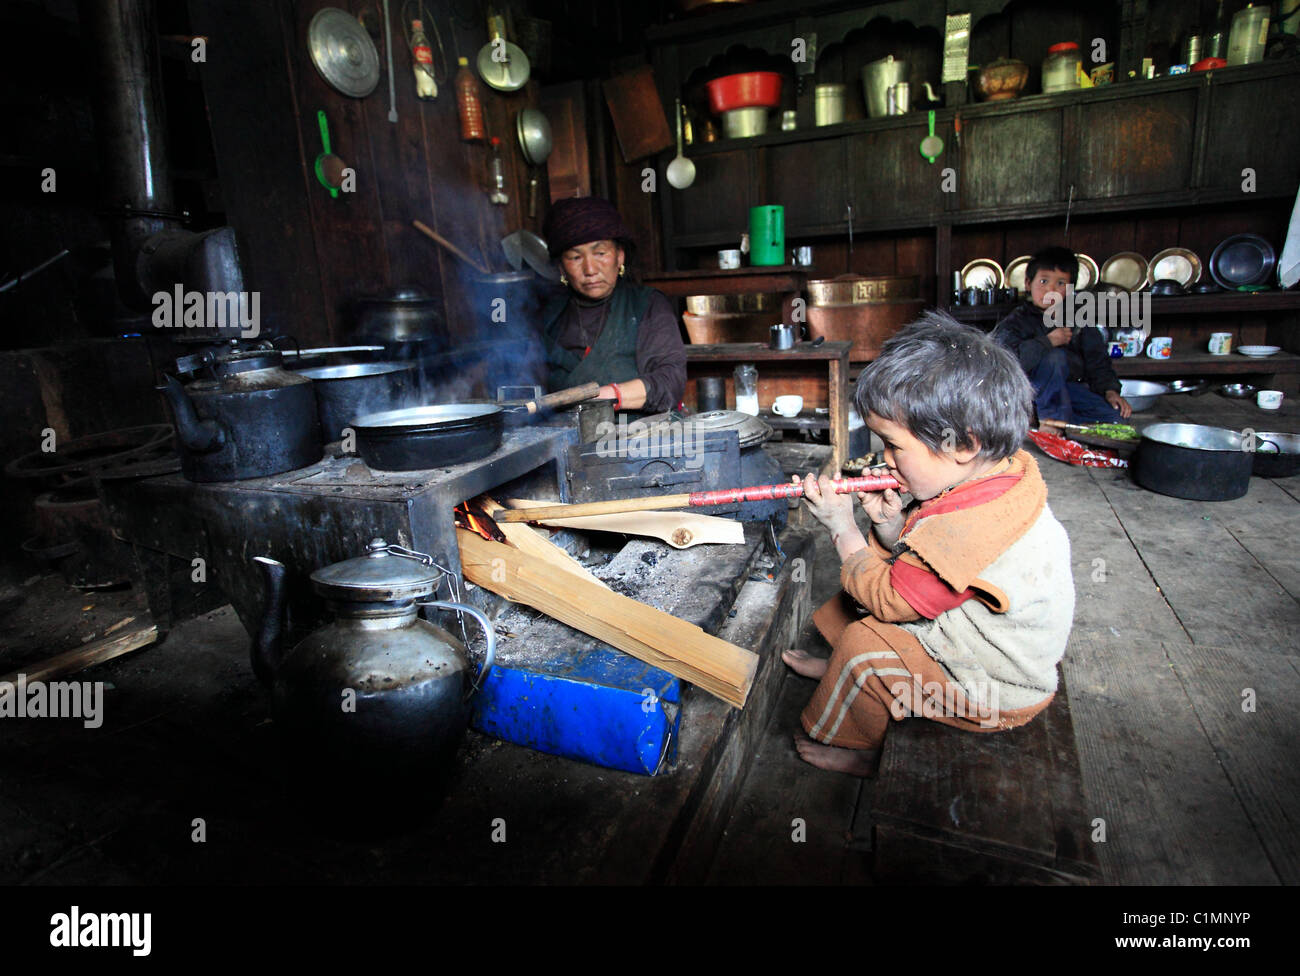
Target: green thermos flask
767 235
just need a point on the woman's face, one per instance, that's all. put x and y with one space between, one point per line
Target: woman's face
592 269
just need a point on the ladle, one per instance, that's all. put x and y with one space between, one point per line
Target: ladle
681 171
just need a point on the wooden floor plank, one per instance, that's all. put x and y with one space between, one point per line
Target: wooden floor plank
1257 747
1115 595
1151 774
1219 590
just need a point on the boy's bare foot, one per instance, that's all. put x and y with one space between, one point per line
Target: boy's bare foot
855 762
801 662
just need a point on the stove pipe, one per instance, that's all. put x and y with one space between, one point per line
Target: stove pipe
151 252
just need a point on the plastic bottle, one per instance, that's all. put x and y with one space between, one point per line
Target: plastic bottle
469 102
498 193
422 56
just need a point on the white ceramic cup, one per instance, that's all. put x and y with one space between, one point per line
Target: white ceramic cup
1160 347
1221 343
1269 399
788 405
729 259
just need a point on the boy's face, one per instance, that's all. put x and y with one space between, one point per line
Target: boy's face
919 470
1047 281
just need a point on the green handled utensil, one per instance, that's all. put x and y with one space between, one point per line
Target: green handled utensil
327 163
931 145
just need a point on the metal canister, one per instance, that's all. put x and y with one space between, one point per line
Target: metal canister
1192 49
829 104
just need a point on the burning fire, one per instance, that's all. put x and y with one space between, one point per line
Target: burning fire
470 516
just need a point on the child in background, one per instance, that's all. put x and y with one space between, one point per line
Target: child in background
1070 369
959 606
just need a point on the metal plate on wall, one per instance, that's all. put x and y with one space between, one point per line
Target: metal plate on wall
343 52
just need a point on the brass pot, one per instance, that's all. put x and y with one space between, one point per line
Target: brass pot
747 303
1002 79
853 289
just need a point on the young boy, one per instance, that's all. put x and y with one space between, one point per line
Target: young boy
959 606
1069 368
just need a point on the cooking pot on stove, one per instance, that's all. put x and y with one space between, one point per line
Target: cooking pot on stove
378 691
243 416
407 322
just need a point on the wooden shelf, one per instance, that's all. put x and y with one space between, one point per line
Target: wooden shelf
761 352
1224 303
732 281
1198 363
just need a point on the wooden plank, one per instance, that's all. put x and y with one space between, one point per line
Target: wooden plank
679 529
96 652
649 635
527 539
1150 773
1220 592
1014 795
1256 747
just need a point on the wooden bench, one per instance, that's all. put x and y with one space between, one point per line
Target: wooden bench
957 807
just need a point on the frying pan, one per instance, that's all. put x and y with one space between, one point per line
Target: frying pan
534 131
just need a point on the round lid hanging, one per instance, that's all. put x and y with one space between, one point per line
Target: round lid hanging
343 52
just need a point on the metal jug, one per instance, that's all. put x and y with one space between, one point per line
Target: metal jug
378 690
877 78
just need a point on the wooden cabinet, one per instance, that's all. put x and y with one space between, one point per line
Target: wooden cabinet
1252 122
1011 159
1137 145
889 180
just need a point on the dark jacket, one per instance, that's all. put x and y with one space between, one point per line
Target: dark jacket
1087 354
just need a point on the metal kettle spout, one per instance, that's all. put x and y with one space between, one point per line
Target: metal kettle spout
194 433
268 644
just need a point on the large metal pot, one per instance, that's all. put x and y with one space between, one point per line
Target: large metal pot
344 393
377 691
437 436
407 322
251 419
1209 464
1277 455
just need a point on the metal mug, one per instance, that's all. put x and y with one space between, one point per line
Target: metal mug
710 393
802 256
782 337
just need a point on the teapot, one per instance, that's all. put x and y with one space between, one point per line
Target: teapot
379 689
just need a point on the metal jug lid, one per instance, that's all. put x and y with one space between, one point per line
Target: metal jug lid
386 573
750 429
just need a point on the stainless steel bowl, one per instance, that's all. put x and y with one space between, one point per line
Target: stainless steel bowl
744 123
1187 386
1238 391
1142 394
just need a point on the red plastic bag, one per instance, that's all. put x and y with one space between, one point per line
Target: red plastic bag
1072 452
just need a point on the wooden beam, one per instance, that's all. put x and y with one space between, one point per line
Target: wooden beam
527 539
96 652
657 638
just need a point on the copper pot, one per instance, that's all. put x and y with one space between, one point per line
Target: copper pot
867 326
852 289
730 327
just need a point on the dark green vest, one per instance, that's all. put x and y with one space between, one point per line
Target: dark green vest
613 356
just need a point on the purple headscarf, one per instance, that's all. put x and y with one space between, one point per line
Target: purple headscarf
581 220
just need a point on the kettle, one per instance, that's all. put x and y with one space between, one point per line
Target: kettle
253 418
378 690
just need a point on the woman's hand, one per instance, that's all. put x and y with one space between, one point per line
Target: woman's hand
835 511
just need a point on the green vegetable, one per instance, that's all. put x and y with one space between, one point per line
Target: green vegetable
1118 432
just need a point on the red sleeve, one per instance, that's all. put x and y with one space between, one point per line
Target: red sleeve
928 595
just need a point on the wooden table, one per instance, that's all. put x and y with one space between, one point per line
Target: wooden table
805 361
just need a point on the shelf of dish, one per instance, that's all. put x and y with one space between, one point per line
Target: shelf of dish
1195 363
1217 304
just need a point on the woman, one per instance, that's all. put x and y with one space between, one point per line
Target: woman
606 329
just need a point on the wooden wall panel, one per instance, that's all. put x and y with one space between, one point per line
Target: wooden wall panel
1136 147
720 197
808 180
1266 141
888 176
1011 160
